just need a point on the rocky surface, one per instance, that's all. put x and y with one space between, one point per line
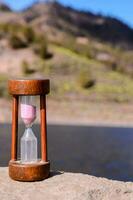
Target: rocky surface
65 186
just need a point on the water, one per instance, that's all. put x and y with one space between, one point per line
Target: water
99 151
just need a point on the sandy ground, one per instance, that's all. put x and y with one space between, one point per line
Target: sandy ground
80 113
65 186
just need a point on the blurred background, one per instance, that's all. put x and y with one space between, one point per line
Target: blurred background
84 47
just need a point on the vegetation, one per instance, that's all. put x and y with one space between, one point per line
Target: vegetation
90 70
17 42
85 79
26 68
29 34
41 47
3 86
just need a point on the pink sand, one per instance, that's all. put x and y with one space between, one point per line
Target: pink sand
28 113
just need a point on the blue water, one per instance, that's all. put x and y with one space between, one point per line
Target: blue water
99 151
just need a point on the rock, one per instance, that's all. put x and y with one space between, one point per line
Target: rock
64 186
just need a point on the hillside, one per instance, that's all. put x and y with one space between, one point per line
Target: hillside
55 19
54 16
86 56
4 8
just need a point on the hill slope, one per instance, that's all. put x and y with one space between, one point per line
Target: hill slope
54 16
4 8
55 19
76 50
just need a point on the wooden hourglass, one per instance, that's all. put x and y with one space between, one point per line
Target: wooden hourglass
28 167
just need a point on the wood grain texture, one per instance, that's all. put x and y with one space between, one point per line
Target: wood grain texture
43 128
14 128
29 86
29 172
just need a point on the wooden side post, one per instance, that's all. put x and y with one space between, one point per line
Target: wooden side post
14 128
43 128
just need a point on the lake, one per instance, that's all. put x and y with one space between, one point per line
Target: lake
99 151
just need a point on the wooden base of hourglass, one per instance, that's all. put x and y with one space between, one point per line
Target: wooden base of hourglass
29 172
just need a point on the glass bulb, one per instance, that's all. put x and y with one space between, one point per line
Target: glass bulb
28 147
27 110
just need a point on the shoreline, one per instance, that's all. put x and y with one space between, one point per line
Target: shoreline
80 113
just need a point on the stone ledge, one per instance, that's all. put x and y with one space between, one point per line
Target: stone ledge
64 186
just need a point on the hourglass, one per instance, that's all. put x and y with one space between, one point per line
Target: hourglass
28 167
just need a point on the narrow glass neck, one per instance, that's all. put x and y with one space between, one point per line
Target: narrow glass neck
29 125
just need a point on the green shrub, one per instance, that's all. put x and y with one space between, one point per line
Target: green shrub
85 79
4 28
17 42
41 47
84 50
19 36
114 66
43 50
29 34
70 43
26 69
3 86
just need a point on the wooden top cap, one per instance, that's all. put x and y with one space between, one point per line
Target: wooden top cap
29 86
